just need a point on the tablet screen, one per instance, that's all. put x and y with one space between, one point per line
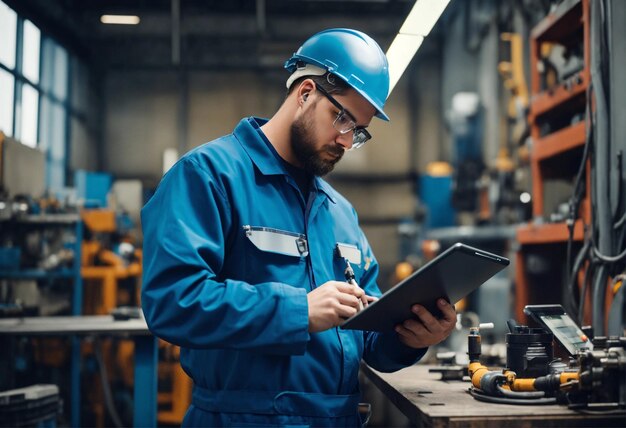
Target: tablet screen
452 275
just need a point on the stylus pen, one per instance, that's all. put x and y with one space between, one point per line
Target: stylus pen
351 279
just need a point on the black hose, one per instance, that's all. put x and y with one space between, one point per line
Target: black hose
574 202
620 193
106 388
583 292
608 259
620 222
481 396
520 394
580 259
601 189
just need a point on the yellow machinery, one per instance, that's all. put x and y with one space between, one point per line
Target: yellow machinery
512 72
503 386
103 270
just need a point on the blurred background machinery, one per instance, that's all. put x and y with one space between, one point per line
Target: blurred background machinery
57 258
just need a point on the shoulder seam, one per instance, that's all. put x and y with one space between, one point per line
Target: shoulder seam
217 187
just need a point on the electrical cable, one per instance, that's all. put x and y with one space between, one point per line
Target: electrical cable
520 394
583 292
620 222
106 388
574 202
608 259
601 190
580 259
481 396
620 199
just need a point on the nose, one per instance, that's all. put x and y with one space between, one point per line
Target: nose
345 140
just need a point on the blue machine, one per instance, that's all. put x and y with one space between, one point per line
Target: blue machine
436 193
92 187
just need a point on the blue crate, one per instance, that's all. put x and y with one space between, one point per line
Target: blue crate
10 257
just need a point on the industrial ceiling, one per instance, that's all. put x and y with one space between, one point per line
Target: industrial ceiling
204 34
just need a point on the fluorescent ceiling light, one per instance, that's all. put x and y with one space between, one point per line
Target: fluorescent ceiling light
120 19
416 26
399 55
423 17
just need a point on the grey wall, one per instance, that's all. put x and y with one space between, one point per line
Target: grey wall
470 60
23 169
85 131
140 123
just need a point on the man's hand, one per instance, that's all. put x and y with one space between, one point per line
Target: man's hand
333 302
428 330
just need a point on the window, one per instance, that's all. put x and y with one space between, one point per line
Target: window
19 77
38 106
29 116
30 52
8 23
54 69
7 85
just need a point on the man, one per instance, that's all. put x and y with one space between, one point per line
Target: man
241 243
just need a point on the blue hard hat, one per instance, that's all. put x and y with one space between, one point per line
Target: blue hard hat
354 57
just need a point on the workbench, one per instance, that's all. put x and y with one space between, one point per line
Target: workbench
428 401
146 354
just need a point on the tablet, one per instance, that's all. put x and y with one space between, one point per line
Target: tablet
564 329
452 275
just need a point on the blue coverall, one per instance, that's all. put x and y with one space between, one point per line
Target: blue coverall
239 312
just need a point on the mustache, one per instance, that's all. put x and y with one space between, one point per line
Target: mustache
334 149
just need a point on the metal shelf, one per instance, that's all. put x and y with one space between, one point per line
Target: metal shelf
37 274
49 219
559 142
548 233
552 98
71 222
558 25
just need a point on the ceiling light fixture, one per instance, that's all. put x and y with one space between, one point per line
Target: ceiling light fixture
399 55
423 17
416 26
120 19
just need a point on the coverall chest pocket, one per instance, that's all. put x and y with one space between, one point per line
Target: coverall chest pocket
274 253
347 253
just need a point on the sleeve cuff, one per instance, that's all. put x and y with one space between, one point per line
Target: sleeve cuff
393 355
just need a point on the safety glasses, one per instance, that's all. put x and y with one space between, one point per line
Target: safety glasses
344 122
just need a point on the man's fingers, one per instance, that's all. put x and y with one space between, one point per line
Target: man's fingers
364 300
430 322
348 300
345 311
449 314
410 329
344 287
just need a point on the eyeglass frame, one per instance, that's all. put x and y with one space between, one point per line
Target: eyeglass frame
357 131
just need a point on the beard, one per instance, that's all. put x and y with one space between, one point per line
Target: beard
303 146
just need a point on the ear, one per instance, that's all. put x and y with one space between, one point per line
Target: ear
304 90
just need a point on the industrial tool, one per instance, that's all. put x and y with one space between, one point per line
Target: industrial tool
593 378
449 368
504 386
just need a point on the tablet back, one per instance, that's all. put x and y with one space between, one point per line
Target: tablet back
452 275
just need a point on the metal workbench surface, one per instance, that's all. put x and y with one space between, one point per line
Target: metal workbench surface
145 359
75 325
428 401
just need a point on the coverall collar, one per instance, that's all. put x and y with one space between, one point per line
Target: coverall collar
247 133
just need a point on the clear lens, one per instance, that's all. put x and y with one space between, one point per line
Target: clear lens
359 138
343 123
